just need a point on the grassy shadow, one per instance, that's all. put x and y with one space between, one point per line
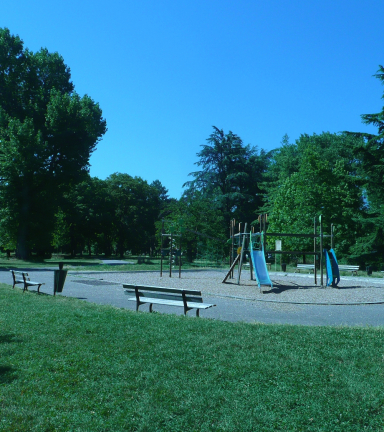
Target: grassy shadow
7 374
9 338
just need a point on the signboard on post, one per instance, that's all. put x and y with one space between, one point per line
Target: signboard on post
277 248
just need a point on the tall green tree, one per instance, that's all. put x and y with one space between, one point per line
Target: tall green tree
324 183
286 160
230 175
85 218
137 208
204 231
369 248
47 134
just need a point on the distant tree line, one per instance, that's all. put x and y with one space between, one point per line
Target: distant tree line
49 202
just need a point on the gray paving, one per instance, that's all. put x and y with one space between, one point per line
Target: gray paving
81 285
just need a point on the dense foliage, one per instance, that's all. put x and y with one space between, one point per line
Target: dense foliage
49 202
316 175
47 133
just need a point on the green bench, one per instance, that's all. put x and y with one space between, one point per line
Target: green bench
22 278
188 299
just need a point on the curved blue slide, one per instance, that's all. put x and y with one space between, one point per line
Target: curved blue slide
260 266
332 267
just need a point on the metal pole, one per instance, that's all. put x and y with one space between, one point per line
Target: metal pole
241 254
161 249
314 250
265 232
181 236
250 265
230 237
170 256
232 245
321 251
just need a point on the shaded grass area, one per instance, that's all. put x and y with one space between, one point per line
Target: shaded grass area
69 365
86 263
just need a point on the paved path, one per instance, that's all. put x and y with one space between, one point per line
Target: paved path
87 287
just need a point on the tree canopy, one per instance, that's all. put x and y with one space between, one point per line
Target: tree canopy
369 246
47 134
231 175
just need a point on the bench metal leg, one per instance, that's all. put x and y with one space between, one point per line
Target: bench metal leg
197 312
150 307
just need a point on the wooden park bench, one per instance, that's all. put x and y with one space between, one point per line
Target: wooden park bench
188 299
352 268
22 278
309 267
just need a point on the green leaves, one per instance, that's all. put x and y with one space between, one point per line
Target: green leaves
47 133
230 175
323 184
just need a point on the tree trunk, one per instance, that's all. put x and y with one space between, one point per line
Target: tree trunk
22 249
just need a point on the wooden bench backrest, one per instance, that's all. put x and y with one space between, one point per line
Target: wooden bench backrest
165 293
18 275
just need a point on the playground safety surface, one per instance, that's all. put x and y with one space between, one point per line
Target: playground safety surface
294 298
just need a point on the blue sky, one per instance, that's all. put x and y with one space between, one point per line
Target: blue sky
164 72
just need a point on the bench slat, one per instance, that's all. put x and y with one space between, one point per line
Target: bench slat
163 289
31 283
174 303
164 296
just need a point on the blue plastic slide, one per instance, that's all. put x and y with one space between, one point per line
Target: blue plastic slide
260 266
332 267
335 268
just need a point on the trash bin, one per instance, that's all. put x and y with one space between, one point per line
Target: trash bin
283 267
59 279
369 270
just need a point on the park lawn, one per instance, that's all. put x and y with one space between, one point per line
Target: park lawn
68 365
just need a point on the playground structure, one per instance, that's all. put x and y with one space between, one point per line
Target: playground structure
173 245
172 251
257 251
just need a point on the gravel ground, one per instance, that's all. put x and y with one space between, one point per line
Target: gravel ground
287 287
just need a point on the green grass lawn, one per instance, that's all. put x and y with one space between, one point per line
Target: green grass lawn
67 365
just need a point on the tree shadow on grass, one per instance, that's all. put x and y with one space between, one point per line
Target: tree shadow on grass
7 374
9 338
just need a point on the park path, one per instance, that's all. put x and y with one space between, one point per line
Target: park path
106 288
